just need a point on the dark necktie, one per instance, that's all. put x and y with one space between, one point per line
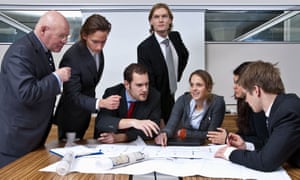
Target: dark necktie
50 60
130 109
170 65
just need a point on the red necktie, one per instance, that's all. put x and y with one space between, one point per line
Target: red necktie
130 110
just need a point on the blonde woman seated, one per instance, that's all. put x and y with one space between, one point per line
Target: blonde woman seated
195 112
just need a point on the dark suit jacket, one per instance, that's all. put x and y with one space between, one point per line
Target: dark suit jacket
78 99
180 117
258 132
108 120
27 97
149 53
284 137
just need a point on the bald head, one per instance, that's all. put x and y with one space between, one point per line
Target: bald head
53 30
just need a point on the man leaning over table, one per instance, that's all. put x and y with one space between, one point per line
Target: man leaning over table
114 126
265 92
29 86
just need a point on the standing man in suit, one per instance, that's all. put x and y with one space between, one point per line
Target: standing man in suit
265 92
29 86
86 59
138 113
152 53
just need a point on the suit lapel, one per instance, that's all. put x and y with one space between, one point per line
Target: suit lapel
89 61
38 47
123 104
272 118
155 46
101 65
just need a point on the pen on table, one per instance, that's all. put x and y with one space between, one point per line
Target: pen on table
88 154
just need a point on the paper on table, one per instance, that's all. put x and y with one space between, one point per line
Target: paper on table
201 163
216 168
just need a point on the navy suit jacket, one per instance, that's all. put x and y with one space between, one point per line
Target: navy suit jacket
78 99
149 54
181 117
108 120
284 137
27 97
258 133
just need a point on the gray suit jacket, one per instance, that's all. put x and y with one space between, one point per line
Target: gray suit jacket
180 117
78 99
27 96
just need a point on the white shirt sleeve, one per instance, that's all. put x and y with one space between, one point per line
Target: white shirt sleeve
250 146
97 107
228 151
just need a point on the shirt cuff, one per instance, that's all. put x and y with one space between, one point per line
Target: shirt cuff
60 83
97 107
228 151
250 146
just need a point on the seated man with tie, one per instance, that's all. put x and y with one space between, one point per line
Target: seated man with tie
127 122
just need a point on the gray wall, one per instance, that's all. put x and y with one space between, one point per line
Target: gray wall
222 59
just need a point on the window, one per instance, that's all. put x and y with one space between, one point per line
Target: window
252 26
15 24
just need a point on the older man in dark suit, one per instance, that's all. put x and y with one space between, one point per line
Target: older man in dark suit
29 86
138 113
152 53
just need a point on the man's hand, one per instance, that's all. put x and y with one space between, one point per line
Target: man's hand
161 139
64 73
236 141
112 102
111 138
147 126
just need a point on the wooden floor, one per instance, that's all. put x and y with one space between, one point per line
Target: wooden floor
229 123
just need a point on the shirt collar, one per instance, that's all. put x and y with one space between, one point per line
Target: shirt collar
267 113
159 38
128 97
43 45
92 53
193 106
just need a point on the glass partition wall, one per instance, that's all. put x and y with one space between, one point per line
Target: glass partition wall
252 26
220 25
15 24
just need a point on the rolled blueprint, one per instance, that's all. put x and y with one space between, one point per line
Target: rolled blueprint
107 163
63 167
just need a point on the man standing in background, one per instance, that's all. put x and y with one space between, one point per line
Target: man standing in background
165 56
